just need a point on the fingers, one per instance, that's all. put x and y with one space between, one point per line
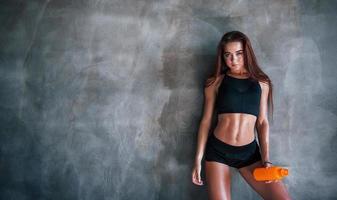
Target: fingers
196 178
199 179
272 181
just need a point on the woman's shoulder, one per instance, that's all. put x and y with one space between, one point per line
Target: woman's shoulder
264 85
213 83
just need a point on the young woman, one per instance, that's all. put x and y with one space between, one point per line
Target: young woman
241 93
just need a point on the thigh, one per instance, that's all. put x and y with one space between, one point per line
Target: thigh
218 180
273 190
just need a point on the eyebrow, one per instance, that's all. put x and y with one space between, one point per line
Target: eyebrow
236 51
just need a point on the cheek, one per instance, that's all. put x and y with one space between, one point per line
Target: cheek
227 61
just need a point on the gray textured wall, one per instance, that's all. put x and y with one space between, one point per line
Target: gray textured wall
102 99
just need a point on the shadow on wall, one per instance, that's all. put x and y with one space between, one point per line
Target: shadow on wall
188 59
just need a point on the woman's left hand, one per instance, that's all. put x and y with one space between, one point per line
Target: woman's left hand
267 165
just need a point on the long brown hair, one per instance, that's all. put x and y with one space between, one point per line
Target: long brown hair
250 63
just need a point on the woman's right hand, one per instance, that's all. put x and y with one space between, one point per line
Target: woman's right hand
196 178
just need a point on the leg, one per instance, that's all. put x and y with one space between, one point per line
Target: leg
274 190
218 180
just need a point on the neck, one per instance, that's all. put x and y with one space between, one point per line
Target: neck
238 72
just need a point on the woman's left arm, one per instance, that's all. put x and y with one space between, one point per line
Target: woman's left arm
262 124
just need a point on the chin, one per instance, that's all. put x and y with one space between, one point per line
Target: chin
236 67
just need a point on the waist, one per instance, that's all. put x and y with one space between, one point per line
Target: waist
229 146
235 130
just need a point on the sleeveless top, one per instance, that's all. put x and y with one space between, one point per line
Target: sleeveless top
237 95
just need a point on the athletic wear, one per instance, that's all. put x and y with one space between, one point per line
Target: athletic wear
233 156
237 95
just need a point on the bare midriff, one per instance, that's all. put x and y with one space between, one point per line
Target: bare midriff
236 129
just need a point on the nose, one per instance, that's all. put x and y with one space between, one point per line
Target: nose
234 59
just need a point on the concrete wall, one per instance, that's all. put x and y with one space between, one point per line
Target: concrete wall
102 99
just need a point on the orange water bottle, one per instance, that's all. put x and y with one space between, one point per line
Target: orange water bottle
270 173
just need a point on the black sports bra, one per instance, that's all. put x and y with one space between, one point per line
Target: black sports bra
237 95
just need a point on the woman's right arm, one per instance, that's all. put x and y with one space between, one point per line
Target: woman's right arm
204 127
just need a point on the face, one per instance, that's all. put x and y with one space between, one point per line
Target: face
233 56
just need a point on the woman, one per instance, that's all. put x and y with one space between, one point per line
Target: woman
241 93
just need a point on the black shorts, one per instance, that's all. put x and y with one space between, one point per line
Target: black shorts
233 156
